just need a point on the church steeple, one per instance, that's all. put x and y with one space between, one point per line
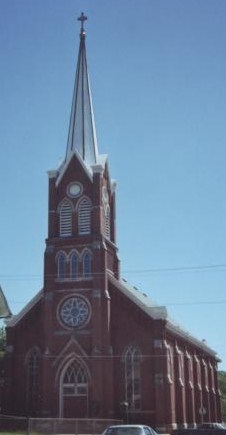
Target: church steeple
82 132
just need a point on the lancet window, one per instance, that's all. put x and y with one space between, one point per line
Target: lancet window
61 262
133 377
87 264
74 265
33 368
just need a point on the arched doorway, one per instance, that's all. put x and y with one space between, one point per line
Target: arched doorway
74 390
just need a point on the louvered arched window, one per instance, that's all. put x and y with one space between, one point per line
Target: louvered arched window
133 377
107 222
65 219
74 266
87 264
84 216
61 263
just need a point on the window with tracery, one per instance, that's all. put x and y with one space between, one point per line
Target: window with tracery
133 377
84 216
75 382
65 214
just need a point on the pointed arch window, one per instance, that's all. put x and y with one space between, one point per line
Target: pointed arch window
61 260
87 264
33 374
107 222
133 377
66 219
84 216
75 381
74 266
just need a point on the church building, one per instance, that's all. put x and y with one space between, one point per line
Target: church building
89 344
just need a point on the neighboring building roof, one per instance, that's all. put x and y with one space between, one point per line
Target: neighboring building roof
82 131
155 312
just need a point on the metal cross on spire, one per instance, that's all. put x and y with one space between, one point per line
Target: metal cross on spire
82 18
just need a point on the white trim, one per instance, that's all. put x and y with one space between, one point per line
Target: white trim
52 173
65 165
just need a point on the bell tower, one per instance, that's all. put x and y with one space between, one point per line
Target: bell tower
80 249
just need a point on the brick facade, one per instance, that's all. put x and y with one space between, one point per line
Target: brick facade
91 345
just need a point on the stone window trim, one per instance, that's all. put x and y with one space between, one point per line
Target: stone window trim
180 362
198 373
169 362
189 359
65 210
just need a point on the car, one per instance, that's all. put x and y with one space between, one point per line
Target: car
129 429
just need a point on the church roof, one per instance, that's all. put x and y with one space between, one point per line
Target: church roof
157 312
82 131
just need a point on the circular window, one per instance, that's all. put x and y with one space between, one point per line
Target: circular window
74 189
74 312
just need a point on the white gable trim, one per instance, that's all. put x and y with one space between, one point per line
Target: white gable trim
65 165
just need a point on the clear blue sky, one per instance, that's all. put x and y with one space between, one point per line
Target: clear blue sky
158 78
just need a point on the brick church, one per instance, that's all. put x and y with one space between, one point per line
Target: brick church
89 344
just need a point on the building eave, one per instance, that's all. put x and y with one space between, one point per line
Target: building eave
156 312
185 335
15 319
140 299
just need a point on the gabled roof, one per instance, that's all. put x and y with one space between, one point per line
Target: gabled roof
82 131
140 299
156 312
17 317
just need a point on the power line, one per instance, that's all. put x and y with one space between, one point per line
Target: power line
133 271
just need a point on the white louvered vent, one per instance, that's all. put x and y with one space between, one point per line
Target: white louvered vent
107 222
65 219
84 217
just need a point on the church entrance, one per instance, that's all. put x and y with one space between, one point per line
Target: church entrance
74 391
